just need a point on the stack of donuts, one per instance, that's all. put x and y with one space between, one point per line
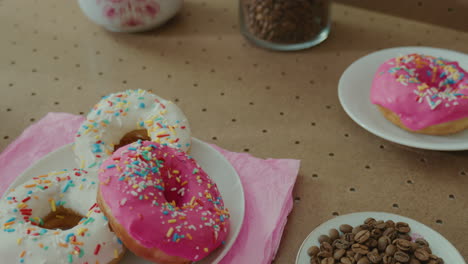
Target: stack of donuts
136 188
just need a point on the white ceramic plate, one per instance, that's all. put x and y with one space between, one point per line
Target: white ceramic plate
439 245
217 167
354 89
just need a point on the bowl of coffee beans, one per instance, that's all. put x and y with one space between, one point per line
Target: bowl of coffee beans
376 238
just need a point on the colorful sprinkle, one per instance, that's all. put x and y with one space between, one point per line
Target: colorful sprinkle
52 205
169 232
97 249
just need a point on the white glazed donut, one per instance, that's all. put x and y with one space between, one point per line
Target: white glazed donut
24 214
121 113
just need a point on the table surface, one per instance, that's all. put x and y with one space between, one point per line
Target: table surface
243 98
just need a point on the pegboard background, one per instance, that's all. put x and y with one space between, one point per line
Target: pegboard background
243 98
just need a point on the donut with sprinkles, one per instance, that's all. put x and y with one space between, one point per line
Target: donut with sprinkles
121 118
422 94
54 218
161 203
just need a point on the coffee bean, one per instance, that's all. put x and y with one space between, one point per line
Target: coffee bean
374 256
328 260
414 261
414 246
359 249
401 256
333 234
339 253
324 238
324 254
363 260
390 223
388 259
313 251
348 237
350 254
402 227
402 244
390 233
421 242
341 244
325 246
346 260
362 236
390 250
365 227
358 256
380 225
382 243
376 233
314 260
356 229
369 221
346 228
404 236
371 243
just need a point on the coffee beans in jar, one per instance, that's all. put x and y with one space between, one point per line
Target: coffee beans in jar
373 242
285 24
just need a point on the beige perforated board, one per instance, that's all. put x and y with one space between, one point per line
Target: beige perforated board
280 105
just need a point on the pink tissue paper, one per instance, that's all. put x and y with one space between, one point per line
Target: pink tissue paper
267 183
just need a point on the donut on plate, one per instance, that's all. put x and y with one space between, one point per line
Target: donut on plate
54 218
422 94
121 118
161 203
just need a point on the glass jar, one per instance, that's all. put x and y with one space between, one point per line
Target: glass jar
285 24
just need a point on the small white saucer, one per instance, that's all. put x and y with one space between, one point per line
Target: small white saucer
353 92
439 245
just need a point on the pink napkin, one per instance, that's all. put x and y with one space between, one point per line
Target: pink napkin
267 184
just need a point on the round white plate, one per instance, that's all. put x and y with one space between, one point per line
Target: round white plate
215 165
354 89
439 245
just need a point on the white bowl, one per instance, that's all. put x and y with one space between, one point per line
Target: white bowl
438 244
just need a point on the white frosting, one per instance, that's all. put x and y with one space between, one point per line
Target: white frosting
119 113
23 242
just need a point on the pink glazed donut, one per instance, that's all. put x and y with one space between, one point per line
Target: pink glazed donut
422 94
161 204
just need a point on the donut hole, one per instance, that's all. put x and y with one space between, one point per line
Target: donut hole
132 136
174 194
426 78
62 218
172 197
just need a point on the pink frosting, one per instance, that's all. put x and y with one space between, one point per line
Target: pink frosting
422 90
164 200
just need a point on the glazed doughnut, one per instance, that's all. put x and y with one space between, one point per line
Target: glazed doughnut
161 203
422 94
121 118
54 218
